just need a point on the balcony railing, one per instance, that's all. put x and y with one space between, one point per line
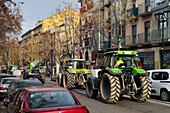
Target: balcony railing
157 35
141 38
144 38
145 8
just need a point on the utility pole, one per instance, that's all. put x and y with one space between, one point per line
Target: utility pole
162 20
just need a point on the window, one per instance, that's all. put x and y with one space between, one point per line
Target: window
48 99
147 31
107 61
134 34
160 75
148 73
147 6
18 100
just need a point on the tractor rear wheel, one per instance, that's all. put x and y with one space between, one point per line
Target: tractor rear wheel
91 93
68 80
110 88
144 92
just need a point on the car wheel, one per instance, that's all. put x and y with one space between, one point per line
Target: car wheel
164 95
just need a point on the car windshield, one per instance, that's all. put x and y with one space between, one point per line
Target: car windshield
129 61
28 84
8 81
46 99
79 64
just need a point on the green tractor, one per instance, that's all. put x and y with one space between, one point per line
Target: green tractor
35 70
73 73
121 75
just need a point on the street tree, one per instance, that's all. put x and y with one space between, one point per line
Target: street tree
115 18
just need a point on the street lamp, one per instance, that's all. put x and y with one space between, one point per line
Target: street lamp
163 19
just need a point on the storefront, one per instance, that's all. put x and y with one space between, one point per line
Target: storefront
166 59
147 60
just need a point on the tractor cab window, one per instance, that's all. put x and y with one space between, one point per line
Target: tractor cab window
107 60
79 64
129 61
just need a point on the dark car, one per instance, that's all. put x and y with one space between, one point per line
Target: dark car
14 86
35 76
45 99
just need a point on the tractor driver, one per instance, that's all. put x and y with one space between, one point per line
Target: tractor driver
119 63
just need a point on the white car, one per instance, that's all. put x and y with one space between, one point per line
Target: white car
5 82
160 82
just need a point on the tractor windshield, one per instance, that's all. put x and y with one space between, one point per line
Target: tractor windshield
129 61
79 64
34 65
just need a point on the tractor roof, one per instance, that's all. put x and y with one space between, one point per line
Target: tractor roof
122 52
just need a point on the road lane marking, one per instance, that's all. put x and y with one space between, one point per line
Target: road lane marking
151 100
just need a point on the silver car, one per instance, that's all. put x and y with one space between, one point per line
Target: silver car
5 82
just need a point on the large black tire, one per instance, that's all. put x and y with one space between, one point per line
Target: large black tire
110 88
143 94
90 92
165 95
68 81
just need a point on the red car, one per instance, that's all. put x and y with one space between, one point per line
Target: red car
45 99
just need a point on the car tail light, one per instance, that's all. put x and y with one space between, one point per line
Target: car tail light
1 88
12 96
41 78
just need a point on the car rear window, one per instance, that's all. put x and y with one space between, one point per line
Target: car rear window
8 81
48 99
28 84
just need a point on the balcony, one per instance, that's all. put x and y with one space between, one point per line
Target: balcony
132 12
145 9
157 35
144 38
107 3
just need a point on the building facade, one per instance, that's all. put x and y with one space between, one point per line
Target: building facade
143 33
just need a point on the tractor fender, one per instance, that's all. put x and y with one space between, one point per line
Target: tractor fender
95 82
110 72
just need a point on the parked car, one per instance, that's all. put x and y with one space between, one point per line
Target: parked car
5 82
45 99
3 69
35 76
15 85
160 80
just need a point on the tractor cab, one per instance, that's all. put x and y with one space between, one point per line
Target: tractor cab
126 60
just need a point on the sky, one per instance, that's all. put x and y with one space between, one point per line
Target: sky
34 10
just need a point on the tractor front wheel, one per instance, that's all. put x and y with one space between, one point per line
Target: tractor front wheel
144 92
91 93
110 88
68 81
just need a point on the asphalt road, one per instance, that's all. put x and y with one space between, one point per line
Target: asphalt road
125 105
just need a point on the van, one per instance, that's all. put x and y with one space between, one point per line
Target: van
160 82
